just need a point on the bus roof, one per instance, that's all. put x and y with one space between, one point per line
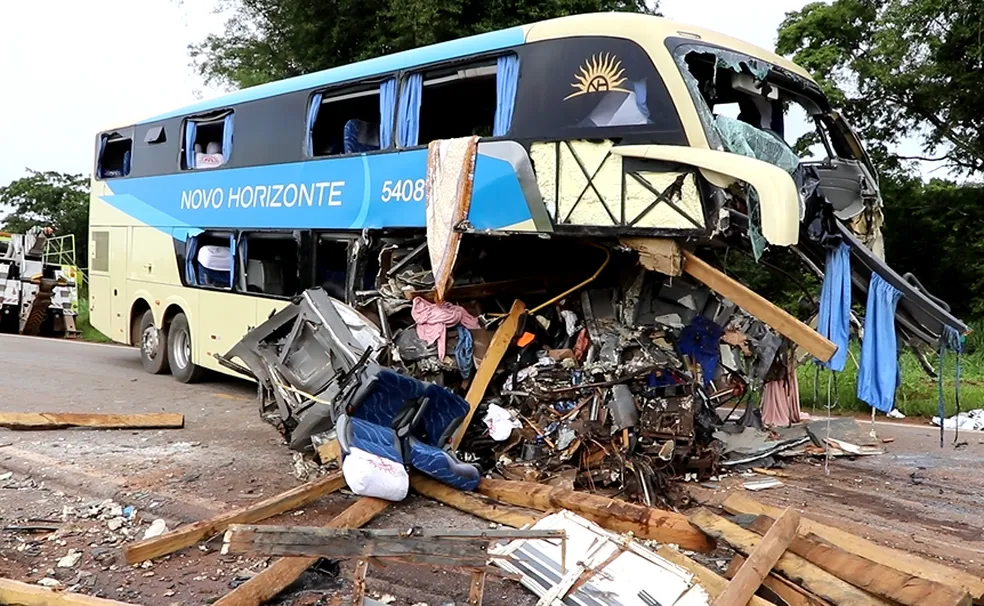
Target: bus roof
630 25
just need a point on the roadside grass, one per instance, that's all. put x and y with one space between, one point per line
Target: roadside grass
88 333
918 394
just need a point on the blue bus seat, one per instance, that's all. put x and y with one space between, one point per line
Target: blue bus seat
211 277
440 414
360 136
418 418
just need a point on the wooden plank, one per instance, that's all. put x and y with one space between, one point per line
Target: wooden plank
711 581
658 254
476 590
189 534
285 571
790 565
359 583
760 561
792 594
619 516
873 577
475 504
303 541
738 503
449 544
60 420
490 363
24 594
759 306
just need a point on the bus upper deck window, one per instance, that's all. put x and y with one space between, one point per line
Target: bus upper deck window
351 121
207 141
114 156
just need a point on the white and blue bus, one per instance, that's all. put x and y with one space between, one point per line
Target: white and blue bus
205 220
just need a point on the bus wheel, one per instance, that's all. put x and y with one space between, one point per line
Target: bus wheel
179 351
153 345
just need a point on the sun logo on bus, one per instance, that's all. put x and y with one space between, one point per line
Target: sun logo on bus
599 74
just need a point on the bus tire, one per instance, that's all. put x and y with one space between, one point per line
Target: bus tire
152 342
179 356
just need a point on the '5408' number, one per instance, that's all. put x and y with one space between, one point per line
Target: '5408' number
404 190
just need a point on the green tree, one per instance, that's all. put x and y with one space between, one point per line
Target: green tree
899 68
49 199
266 40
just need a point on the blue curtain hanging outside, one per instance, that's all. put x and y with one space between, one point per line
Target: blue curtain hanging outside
834 321
878 374
190 130
409 121
232 263
102 148
312 117
191 249
227 138
506 81
387 112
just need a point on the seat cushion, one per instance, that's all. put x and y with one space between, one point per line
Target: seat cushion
443 466
376 439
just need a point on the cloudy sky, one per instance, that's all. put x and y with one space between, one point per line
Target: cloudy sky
70 68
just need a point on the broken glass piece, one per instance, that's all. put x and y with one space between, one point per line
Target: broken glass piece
743 138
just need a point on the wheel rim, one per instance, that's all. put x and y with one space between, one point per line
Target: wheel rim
182 349
150 342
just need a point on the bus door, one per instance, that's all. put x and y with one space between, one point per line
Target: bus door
108 306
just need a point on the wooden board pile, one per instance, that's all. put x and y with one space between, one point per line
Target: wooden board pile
785 559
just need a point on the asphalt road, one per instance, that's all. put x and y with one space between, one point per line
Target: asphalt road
224 457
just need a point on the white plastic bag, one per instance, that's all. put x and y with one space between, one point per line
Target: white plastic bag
369 475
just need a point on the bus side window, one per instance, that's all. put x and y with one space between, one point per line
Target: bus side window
114 156
271 263
207 141
332 266
351 121
209 260
475 99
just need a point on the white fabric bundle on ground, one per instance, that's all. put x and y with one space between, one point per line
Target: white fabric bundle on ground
370 475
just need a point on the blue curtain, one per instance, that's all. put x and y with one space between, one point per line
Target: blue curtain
312 117
232 264
387 112
190 130
191 249
834 322
409 120
99 155
506 80
878 374
227 138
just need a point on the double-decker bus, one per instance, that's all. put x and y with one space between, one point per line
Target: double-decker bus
206 219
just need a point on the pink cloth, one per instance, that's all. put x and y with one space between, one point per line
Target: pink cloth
433 321
781 401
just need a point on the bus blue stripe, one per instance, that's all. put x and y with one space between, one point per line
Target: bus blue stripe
318 194
360 220
462 47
